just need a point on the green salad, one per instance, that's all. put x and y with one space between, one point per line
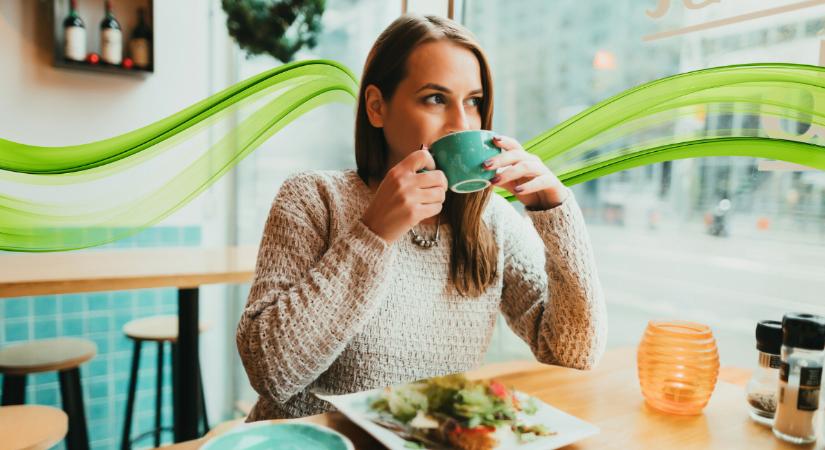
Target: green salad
454 412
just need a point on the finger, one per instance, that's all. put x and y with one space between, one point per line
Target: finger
515 172
431 195
537 184
507 158
431 179
506 143
419 159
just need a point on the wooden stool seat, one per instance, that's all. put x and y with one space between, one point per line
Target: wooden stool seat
46 355
155 328
32 426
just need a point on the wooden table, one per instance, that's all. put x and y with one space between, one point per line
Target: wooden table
609 397
25 274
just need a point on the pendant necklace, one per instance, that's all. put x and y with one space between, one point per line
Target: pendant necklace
423 242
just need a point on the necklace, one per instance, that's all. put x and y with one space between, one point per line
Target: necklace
423 242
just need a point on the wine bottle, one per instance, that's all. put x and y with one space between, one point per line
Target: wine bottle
111 38
140 46
74 35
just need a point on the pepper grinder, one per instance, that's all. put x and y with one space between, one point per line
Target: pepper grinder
761 389
800 376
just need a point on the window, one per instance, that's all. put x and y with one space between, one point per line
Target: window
664 246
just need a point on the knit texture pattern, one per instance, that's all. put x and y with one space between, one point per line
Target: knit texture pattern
334 309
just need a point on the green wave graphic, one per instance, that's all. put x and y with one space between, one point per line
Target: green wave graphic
622 130
37 214
54 199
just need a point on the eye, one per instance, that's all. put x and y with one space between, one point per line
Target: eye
435 99
475 101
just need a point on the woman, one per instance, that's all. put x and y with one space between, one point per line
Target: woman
343 300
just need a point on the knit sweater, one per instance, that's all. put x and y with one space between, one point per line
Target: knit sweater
334 309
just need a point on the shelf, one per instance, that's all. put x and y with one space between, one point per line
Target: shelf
91 12
101 68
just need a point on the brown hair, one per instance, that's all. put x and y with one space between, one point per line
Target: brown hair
474 254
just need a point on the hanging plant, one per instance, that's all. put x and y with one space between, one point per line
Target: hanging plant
276 27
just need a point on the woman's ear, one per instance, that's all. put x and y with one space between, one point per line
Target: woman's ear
375 106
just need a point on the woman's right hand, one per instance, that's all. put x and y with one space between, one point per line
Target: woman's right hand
406 197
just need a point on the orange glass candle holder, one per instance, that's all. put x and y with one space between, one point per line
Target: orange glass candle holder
678 365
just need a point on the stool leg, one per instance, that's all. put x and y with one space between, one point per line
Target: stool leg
158 393
130 402
14 390
203 401
174 347
71 394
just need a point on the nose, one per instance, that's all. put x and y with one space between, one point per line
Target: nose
456 119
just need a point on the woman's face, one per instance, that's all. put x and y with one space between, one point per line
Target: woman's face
440 94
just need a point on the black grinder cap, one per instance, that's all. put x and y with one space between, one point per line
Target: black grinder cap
769 336
803 331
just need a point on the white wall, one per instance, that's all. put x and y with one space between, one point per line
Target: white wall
49 106
44 105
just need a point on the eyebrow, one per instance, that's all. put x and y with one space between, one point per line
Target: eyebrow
441 88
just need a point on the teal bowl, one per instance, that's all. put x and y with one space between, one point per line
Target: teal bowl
283 436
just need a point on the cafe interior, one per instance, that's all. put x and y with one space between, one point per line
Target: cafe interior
121 292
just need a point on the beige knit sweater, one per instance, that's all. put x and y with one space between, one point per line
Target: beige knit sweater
334 309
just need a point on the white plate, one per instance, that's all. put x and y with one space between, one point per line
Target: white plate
568 428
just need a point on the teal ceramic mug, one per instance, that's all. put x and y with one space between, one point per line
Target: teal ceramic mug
460 156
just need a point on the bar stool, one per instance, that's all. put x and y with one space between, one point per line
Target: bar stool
33 427
160 329
64 355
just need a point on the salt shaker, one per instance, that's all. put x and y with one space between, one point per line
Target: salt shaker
761 389
800 375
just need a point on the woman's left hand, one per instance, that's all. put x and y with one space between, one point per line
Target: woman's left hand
525 176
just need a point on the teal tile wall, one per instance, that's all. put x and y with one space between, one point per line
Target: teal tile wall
100 316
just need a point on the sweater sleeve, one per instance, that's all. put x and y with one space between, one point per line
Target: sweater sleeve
552 297
310 293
